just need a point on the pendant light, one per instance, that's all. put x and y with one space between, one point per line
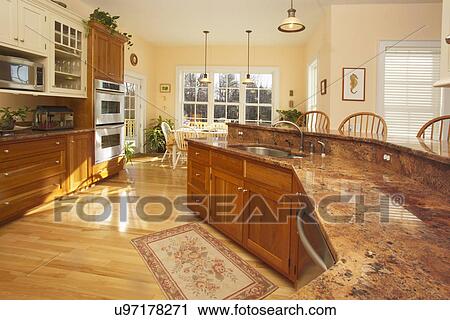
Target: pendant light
205 78
248 80
291 23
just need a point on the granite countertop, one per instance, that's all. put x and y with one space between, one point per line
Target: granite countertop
432 149
35 134
407 257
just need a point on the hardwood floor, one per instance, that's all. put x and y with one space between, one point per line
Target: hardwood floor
75 259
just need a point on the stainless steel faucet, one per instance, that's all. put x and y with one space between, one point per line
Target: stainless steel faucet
302 141
322 148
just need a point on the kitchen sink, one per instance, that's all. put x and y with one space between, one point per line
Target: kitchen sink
270 152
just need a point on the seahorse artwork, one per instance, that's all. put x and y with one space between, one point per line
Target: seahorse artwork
353 83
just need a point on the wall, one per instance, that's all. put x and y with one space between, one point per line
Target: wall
356 31
289 60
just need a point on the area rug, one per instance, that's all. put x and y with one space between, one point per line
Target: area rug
189 263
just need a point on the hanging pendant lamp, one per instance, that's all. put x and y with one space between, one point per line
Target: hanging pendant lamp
291 23
248 80
205 78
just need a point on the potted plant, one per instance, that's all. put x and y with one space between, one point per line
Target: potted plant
290 115
109 21
154 137
129 152
9 117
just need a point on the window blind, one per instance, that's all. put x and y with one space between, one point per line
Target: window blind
409 97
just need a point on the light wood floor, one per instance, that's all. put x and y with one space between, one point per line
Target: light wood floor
73 259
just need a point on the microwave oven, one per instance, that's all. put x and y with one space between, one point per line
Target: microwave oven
21 74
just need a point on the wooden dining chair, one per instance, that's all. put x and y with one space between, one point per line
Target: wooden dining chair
314 120
182 146
436 129
364 122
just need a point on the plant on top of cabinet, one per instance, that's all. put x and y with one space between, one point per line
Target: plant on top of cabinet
9 117
110 22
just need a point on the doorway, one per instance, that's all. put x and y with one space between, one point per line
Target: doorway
135 113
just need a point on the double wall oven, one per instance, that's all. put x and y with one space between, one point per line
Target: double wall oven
109 120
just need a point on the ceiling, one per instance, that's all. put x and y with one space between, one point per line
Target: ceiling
180 22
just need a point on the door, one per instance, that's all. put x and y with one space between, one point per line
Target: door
32 27
134 111
226 204
101 47
115 65
267 229
8 22
80 160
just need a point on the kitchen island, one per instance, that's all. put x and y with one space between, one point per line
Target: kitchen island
394 245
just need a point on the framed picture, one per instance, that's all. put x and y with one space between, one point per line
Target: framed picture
164 88
323 87
354 84
134 60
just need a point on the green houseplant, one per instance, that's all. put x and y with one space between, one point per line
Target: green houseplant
289 115
109 21
9 117
154 137
129 152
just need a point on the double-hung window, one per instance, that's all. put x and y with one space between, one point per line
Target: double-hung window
226 99
406 96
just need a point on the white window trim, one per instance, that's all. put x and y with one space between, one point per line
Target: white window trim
314 63
380 65
180 70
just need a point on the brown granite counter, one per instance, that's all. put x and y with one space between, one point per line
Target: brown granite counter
406 257
35 134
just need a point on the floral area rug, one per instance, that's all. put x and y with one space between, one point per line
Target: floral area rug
189 263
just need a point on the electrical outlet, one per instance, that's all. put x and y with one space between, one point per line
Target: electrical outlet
387 157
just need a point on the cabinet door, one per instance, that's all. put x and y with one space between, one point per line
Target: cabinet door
33 33
267 229
226 204
80 160
8 22
101 49
115 64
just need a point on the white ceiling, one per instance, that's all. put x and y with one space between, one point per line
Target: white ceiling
180 22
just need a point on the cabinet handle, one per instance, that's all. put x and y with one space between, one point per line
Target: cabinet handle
240 189
57 162
16 38
58 143
245 190
6 203
72 141
6 151
197 174
197 153
22 40
6 174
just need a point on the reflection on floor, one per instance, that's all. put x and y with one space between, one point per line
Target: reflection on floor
76 259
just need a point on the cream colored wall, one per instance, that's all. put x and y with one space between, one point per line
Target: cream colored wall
318 47
356 31
289 60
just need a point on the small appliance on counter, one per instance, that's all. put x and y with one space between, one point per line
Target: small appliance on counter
49 118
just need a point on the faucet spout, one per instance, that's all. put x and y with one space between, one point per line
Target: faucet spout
302 138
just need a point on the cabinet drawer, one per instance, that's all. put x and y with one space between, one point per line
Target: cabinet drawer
199 176
198 201
17 201
278 179
28 170
14 151
227 163
198 155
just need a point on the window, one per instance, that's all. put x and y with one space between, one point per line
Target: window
258 100
195 99
226 97
312 86
407 98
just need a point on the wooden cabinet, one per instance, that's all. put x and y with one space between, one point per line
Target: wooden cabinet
248 203
23 25
32 27
8 22
226 204
80 156
107 53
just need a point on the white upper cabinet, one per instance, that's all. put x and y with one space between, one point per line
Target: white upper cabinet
8 22
33 30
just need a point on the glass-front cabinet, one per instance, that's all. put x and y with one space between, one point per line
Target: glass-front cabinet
68 74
